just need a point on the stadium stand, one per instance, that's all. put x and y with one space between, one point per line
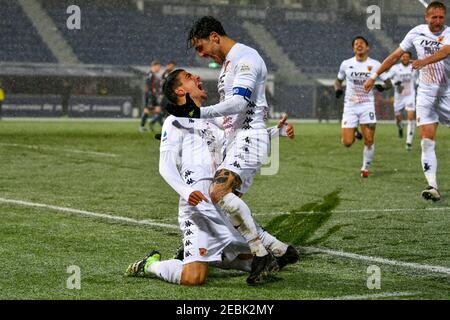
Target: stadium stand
20 40
126 36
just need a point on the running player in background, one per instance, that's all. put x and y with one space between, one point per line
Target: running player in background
359 106
404 79
242 91
433 93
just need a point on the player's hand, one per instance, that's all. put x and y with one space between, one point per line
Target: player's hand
339 93
399 87
196 197
288 127
417 64
187 110
380 87
368 85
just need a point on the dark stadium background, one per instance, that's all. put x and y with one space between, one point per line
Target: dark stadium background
303 43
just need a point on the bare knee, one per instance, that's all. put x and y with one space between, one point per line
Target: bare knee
347 142
217 193
224 182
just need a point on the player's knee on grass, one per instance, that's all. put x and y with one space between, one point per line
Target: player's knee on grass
224 182
194 274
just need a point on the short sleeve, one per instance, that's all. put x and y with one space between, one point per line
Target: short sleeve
341 73
246 73
407 44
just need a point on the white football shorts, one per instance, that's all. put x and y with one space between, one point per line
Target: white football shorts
431 109
245 153
358 114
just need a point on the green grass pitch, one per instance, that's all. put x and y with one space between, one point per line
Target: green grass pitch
317 200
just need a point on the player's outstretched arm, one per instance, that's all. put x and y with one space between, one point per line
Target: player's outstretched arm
283 129
386 65
443 53
234 105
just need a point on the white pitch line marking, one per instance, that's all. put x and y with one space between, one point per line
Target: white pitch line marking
359 210
37 147
374 296
410 265
90 214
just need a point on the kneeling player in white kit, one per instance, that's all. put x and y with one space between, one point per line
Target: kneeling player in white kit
404 78
433 93
190 153
359 106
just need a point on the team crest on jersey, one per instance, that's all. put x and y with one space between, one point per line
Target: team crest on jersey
369 68
202 252
440 39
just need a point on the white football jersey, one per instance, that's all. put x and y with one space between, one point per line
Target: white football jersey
244 69
356 73
433 78
198 143
407 76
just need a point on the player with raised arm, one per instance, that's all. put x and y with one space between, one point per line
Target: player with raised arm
241 86
404 78
433 92
359 106
189 154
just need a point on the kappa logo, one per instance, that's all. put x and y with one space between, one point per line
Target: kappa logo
190 181
164 136
187 223
187 254
191 121
426 167
187 243
202 252
189 232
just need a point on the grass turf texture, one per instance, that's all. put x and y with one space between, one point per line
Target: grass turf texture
316 199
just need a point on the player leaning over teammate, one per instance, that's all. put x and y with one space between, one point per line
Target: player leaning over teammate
404 78
241 86
433 93
189 155
359 106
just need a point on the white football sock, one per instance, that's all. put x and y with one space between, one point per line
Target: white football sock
271 243
368 156
167 270
410 135
429 161
241 218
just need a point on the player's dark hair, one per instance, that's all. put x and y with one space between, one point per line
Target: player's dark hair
409 53
155 63
436 5
359 38
202 28
171 83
